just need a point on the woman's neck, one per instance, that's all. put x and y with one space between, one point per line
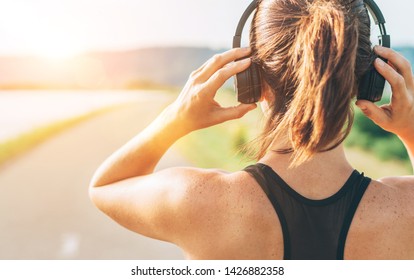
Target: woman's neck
333 158
319 177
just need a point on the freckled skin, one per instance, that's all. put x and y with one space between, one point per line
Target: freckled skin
381 228
212 214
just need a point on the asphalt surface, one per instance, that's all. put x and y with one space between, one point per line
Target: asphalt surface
45 211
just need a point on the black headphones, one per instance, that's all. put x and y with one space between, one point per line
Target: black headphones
248 83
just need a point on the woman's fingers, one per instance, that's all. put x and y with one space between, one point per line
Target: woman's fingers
235 112
225 73
195 105
218 61
397 116
377 114
396 81
401 64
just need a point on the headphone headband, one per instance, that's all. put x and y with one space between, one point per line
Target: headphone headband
375 12
237 37
379 19
371 6
371 85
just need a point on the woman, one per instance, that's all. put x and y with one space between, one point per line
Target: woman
311 55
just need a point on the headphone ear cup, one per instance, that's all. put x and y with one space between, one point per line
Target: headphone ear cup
248 85
371 86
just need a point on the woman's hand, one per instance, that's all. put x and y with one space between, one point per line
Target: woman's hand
126 187
195 107
398 116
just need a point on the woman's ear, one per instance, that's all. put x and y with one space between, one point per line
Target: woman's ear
267 93
267 97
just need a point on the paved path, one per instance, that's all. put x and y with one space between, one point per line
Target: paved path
45 211
23 111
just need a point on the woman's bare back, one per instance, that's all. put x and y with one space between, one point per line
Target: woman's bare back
244 224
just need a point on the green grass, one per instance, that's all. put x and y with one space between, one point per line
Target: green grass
375 167
216 147
26 141
220 146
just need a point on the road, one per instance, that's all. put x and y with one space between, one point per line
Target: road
45 211
23 111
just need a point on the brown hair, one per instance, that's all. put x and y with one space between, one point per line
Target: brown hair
312 54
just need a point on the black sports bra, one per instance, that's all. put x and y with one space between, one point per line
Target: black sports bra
312 229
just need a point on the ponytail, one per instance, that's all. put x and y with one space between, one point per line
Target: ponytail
324 60
313 74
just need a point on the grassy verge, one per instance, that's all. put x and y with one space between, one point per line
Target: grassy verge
375 167
22 143
218 146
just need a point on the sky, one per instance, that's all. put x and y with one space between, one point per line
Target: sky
59 28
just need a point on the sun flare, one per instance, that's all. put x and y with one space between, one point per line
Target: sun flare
56 52
53 46
48 34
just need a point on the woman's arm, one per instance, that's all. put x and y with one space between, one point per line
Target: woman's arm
195 108
125 187
398 116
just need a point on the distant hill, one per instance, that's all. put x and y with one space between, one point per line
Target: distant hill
111 70
157 66
170 66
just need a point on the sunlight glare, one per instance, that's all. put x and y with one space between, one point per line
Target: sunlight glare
56 52
47 35
55 44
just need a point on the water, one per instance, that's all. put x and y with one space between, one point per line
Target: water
22 111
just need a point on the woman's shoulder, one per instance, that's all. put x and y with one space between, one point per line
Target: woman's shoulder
384 221
223 198
403 182
224 208
398 187
229 196
217 185
392 193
